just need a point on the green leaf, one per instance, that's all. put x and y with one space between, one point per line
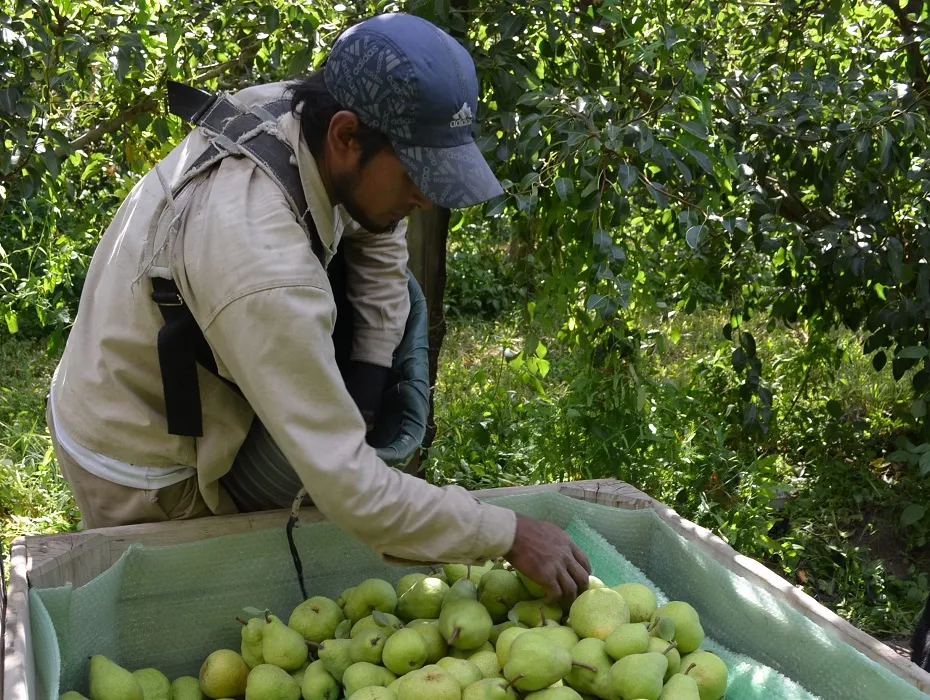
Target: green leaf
748 343
913 514
887 144
703 160
696 128
879 361
12 323
895 256
913 352
699 69
693 236
919 408
9 97
627 174
253 612
739 359
924 463
564 187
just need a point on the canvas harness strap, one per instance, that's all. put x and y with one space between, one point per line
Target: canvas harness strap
234 129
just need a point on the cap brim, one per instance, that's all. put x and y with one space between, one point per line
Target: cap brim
454 177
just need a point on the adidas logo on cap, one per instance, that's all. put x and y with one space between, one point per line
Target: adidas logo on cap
463 117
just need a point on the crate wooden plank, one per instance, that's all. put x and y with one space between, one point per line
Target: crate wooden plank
18 661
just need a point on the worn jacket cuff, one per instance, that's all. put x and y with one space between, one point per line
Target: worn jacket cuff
374 346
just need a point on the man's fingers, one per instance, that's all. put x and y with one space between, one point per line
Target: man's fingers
568 585
581 557
578 574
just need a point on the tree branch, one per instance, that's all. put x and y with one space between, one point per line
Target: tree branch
98 132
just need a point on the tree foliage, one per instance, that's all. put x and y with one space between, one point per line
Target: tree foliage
767 156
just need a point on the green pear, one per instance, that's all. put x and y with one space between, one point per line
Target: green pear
186 688
487 663
505 641
489 689
282 646
72 695
110 681
405 582
435 643
367 645
497 629
423 600
318 683
363 675
372 692
597 612
533 613
465 624
251 641
595 582
639 599
662 628
155 685
344 596
431 682
565 636
334 653
709 671
688 631
499 590
631 638
464 588
463 670
533 588
269 682
454 572
370 595
671 653
536 662
680 687
559 693
639 676
386 622
224 674
404 651
589 654
468 653
316 619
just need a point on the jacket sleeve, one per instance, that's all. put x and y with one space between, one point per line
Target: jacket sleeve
295 388
376 282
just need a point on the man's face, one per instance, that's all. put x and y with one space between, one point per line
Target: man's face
377 194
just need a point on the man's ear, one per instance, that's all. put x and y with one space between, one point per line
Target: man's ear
341 135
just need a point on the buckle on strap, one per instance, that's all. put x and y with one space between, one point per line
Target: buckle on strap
166 298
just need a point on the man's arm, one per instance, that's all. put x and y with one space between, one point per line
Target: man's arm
293 384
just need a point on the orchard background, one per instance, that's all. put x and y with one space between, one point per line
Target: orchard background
709 276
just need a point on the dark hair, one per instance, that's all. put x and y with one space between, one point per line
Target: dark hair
317 110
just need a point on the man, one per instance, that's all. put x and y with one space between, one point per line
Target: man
385 127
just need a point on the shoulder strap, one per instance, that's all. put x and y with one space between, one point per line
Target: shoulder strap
235 130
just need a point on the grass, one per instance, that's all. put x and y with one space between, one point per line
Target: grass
34 498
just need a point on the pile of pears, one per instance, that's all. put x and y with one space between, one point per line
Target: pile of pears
458 633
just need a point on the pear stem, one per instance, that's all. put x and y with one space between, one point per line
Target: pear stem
312 645
239 619
267 617
652 625
670 647
591 668
513 680
454 635
542 616
688 670
468 571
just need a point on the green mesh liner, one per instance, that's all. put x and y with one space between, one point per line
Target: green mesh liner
169 607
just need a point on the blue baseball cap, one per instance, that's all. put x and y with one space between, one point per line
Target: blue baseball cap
406 78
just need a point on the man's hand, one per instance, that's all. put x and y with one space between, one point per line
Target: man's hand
544 553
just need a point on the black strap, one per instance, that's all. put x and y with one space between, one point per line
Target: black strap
181 343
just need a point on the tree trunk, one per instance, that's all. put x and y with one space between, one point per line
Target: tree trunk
426 242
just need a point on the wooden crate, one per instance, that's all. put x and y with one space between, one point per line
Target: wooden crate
53 560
